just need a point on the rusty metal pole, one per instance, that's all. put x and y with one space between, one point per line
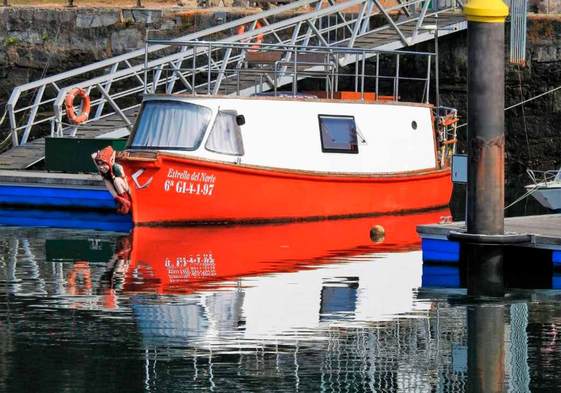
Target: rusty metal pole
486 116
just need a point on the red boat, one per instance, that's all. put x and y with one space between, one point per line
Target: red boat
193 160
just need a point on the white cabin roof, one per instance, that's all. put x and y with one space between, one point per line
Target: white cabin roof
284 133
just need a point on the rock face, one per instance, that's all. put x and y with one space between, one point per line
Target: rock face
35 42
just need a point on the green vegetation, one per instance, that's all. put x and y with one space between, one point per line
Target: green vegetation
10 40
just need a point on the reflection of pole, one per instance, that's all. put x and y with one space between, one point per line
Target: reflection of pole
486 349
484 264
486 116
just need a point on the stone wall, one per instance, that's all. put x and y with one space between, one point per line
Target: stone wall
42 41
544 6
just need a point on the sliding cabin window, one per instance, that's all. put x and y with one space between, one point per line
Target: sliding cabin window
338 134
171 125
225 136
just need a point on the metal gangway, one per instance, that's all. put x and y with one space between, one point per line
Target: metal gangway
364 27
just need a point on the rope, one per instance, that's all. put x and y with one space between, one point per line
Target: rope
523 102
526 195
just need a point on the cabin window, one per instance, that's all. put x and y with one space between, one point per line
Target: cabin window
225 136
170 125
338 134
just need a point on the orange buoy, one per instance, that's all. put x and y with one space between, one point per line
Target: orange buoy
69 103
377 234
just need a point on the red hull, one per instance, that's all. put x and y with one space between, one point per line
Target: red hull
178 190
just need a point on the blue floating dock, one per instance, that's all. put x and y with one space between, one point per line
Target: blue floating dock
35 189
544 231
66 219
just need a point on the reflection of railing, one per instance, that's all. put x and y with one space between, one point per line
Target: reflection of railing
114 84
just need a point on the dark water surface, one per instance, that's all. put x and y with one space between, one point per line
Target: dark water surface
315 307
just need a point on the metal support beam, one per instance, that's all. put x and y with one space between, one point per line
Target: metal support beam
36 103
420 20
107 87
115 106
391 22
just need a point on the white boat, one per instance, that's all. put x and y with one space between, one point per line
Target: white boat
546 188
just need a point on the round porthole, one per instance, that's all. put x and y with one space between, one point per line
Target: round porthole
414 125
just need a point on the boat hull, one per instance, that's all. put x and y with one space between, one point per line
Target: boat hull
548 197
173 190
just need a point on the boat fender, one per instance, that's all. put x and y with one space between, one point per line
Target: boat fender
377 233
241 29
114 177
69 104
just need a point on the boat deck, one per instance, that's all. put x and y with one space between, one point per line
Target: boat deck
544 230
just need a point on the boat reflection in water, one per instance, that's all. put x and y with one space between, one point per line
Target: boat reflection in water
264 281
280 307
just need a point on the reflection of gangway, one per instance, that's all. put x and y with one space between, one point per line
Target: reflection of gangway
115 84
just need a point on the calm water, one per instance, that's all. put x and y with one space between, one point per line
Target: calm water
315 307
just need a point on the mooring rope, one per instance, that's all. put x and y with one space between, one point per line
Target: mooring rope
523 102
526 195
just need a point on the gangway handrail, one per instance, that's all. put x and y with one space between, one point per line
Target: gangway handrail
345 30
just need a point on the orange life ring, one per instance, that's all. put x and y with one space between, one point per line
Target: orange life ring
69 103
259 39
80 270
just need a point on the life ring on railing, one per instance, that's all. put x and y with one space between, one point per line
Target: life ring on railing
79 279
259 39
69 103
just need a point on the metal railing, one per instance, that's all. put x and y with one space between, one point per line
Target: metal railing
253 69
115 84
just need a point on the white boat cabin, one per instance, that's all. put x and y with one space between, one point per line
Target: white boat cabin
291 133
